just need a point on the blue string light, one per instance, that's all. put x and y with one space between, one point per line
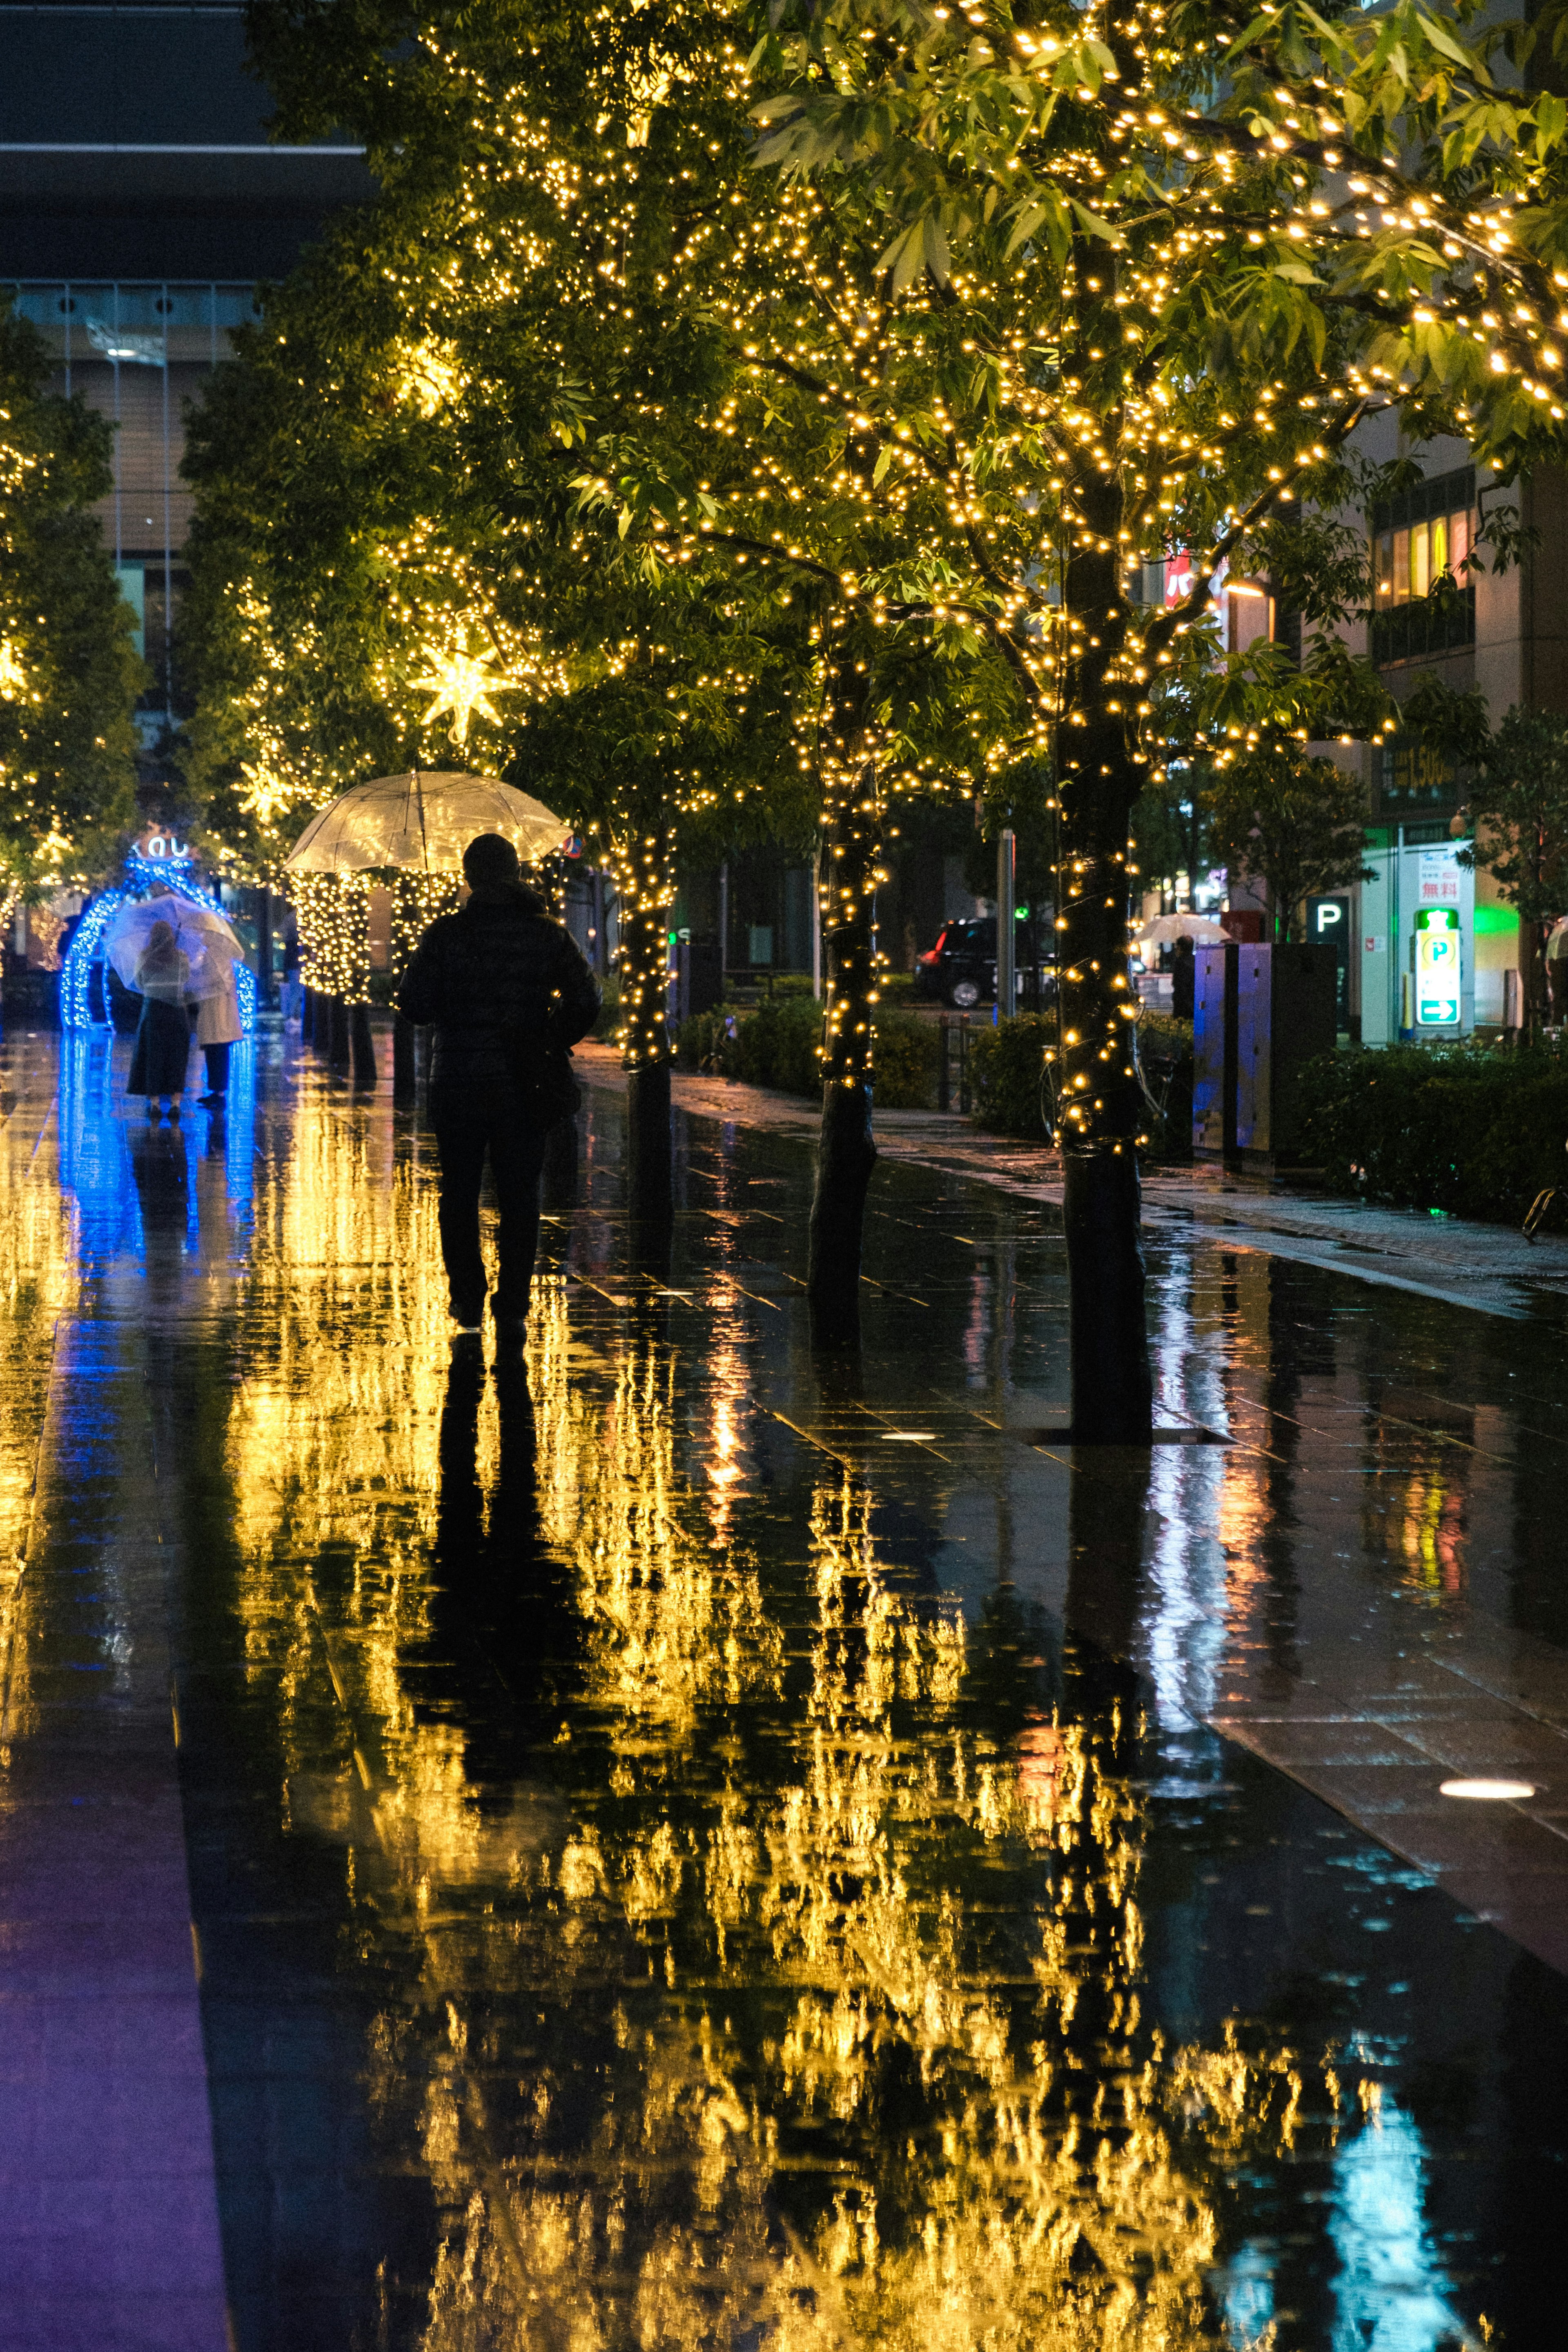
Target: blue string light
164 875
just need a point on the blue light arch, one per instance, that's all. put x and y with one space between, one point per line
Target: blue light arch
170 876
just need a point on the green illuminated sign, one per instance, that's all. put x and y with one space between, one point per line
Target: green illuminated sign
1438 968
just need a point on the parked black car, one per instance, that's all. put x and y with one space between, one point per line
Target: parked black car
962 968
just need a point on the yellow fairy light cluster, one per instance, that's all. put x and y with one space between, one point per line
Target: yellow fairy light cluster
417 902
994 315
332 911
786 1849
643 866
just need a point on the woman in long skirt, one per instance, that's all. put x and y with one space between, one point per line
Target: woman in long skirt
163 1031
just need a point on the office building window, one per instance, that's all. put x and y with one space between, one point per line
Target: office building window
1425 603
139 353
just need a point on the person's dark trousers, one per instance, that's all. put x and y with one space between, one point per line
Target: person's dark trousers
470 1124
216 1057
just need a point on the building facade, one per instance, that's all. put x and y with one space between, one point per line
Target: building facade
142 203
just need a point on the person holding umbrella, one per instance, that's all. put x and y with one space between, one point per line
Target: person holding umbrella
162 973
178 953
509 994
218 1029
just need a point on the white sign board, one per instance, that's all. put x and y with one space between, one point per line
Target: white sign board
1438 878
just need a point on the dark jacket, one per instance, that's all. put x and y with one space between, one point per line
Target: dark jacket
497 964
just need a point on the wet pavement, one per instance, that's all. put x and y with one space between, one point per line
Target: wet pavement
679 1843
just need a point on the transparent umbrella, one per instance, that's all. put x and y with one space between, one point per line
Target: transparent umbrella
425 822
201 937
1201 930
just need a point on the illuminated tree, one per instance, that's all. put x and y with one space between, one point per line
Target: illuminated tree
1008 299
1183 253
1295 824
579 178
68 675
367 594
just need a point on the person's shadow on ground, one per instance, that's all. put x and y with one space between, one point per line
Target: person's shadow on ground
500 1592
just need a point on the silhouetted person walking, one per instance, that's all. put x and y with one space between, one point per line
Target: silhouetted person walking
1184 977
509 994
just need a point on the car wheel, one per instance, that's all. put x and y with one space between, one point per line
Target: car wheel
964 993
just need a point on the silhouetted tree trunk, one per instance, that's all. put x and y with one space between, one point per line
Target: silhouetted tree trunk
1101 1110
847 884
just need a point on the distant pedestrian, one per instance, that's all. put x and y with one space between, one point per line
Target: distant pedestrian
163 1031
1557 970
218 1030
1184 977
509 994
292 994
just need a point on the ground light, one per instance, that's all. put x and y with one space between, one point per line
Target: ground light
167 874
1490 1792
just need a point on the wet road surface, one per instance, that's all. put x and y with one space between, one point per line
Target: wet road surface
681 1845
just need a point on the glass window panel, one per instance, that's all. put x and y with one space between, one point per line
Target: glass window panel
142 306
1439 546
1385 565
1401 566
186 306
234 306
1420 572
1458 539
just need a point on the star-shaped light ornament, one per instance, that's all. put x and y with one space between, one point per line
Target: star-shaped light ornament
462 684
265 795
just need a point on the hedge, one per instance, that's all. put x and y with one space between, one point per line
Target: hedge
776 1046
1007 1072
1475 1129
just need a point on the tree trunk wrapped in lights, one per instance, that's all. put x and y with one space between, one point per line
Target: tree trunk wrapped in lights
416 900
1099 1121
643 868
333 912
847 887
313 898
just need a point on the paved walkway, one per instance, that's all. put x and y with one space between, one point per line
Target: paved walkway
681 1842
1491 1268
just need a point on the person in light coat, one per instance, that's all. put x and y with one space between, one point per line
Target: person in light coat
219 1027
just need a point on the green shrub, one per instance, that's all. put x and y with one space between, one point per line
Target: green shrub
1166 1056
1011 1095
904 1062
1475 1129
775 1045
1008 1076
698 1042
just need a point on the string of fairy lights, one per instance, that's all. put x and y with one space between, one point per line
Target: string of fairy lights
959 448
83 997
643 867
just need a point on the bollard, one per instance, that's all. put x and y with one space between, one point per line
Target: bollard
362 1046
944 1076
963 1064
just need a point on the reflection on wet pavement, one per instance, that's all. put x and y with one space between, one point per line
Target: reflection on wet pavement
692 1845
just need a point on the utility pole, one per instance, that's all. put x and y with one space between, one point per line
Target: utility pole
1006 937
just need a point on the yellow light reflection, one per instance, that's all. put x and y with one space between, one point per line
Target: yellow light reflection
778 1823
